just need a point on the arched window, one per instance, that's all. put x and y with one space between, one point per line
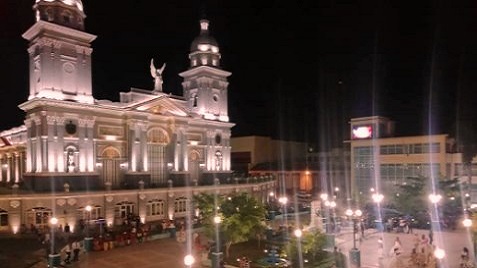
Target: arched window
3 218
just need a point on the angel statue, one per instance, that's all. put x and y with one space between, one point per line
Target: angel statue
157 75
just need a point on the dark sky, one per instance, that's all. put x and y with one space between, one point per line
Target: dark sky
413 61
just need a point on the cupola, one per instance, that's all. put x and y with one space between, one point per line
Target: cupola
204 50
68 13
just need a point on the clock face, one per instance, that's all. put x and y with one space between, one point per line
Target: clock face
68 67
362 132
218 138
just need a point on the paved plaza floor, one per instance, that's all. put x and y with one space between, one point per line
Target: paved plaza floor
451 241
168 253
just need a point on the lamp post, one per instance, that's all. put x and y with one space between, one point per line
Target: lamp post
88 240
283 200
189 260
377 198
439 253
434 198
298 233
324 200
355 255
54 258
217 255
468 224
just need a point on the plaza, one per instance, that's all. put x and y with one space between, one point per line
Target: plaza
168 252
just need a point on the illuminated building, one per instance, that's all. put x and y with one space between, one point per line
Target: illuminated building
379 159
72 142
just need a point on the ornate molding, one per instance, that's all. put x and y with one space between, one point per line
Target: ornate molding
61 202
50 119
109 198
15 203
72 201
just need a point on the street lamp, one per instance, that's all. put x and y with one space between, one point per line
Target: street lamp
467 224
189 260
283 200
377 198
298 233
434 198
217 255
330 206
439 253
88 240
354 253
54 258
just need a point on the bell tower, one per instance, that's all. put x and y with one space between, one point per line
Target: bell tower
205 83
60 52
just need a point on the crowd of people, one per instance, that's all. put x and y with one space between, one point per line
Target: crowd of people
422 253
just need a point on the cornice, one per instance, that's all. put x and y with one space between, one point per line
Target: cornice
43 26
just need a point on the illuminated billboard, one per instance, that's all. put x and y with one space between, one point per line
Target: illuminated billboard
362 132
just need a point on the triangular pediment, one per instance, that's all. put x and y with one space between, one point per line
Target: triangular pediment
162 105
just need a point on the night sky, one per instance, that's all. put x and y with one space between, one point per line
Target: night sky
300 69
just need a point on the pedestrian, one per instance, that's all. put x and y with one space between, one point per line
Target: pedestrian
396 247
464 256
380 247
422 258
361 226
396 260
431 236
409 225
68 254
424 241
76 250
414 259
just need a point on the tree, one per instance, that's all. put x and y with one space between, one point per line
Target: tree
312 243
241 216
409 198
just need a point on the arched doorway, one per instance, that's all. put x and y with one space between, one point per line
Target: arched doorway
110 162
157 140
194 165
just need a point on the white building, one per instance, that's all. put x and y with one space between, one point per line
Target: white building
149 135
73 142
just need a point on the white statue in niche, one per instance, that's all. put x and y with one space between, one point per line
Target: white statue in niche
157 75
71 162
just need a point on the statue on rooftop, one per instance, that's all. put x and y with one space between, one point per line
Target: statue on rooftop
157 75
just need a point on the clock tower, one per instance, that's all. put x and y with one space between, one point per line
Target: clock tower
60 52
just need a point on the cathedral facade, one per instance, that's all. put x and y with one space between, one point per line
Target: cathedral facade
149 135
146 154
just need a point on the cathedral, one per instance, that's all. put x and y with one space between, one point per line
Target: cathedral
149 137
77 158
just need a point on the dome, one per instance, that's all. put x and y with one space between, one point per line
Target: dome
77 3
204 42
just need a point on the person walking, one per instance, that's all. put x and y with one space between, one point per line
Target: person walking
431 236
68 254
464 259
396 249
396 259
76 250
